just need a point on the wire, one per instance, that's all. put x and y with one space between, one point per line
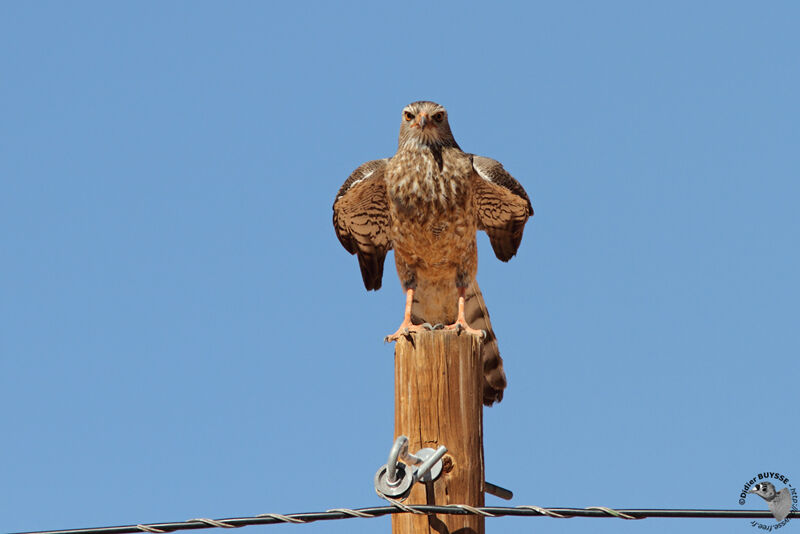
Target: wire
457 509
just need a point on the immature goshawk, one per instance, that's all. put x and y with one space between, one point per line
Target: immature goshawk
427 202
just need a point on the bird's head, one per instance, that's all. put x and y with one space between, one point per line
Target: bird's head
425 123
766 490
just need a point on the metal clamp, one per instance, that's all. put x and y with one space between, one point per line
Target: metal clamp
396 478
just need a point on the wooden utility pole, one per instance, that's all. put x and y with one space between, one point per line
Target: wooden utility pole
438 396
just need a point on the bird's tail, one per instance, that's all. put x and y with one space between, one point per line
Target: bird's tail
477 316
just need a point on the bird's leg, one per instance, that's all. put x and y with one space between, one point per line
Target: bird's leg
461 322
406 327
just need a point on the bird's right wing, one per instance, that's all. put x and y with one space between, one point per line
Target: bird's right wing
781 505
361 219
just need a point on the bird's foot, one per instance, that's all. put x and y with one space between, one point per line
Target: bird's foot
406 329
461 326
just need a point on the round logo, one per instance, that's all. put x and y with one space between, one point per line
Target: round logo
774 491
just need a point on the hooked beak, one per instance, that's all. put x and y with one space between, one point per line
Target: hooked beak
422 121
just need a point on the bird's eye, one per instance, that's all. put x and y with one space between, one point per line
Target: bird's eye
409 116
438 116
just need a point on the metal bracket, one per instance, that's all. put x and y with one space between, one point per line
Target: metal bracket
396 478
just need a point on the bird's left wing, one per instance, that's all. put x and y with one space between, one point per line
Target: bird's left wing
502 205
361 219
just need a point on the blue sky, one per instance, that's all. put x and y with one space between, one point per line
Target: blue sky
182 335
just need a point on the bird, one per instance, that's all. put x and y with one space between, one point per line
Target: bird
779 502
427 202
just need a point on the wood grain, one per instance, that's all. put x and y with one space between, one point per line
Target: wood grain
438 401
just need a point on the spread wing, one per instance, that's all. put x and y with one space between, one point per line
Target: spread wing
361 219
502 205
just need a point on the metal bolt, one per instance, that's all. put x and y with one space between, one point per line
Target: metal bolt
430 469
396 478
400 487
